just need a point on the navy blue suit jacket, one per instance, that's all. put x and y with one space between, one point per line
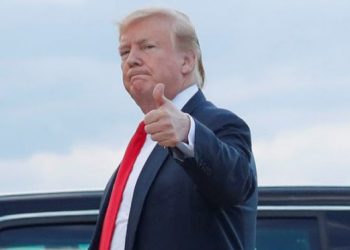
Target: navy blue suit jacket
207 202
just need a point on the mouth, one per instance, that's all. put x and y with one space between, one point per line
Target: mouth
137 79
137 76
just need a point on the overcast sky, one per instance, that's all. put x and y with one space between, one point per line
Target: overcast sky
283 66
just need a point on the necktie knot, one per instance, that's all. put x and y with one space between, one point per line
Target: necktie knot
140 131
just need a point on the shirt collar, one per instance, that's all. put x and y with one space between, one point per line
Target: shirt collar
184 96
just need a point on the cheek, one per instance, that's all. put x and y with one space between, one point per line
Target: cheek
124 69
125 83
124 72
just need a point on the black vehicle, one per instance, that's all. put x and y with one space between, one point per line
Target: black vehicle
299 218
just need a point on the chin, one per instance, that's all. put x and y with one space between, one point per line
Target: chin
142 98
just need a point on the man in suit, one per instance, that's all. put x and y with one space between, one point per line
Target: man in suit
193 184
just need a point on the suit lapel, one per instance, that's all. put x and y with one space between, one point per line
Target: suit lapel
102 212
148 173
193 103
154 162
108 192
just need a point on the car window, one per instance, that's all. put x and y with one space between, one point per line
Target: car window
338 229
51 237
43 247
288 234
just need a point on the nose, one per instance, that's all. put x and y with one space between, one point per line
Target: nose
134 58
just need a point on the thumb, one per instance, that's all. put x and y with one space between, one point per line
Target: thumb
158 94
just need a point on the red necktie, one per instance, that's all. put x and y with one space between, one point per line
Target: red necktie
125 168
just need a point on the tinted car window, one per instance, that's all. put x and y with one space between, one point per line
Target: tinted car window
288 234
47 237
338 229
272 233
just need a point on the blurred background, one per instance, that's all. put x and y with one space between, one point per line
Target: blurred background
65 119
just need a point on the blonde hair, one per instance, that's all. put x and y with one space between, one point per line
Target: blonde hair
183 29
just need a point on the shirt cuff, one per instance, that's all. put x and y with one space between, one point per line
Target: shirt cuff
188 148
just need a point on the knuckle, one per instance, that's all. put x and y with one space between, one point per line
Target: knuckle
153 137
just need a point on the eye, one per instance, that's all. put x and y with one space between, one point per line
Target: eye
124 53
148 46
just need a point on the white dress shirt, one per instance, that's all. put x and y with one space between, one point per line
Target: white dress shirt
118 241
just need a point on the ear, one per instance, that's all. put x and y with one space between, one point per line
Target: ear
188 63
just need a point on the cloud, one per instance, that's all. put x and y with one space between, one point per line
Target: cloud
49 2
286 80
44 71
285 75
51 104
83 167
312 156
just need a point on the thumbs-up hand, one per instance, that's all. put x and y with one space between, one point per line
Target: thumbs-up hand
158 95
166 124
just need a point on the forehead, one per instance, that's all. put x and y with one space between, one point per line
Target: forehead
149 28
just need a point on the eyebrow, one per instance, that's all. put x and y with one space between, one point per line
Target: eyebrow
122 47
140 42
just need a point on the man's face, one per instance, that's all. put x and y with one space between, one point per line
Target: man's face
149 56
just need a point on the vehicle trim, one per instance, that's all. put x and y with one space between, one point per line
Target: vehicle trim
55 214
308 208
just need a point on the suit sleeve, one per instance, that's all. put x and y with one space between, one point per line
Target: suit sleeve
223 167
